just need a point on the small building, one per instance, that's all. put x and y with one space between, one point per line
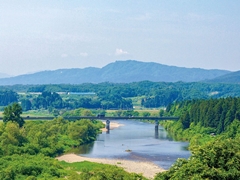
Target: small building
82 93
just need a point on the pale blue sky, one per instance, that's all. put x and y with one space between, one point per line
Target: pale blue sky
52 34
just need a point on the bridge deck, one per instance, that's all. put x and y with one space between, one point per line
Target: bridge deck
101 118
124 117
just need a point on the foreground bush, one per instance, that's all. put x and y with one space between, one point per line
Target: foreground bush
27 152
28 167
216 160
50 138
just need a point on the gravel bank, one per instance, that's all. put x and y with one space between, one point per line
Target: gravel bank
147 169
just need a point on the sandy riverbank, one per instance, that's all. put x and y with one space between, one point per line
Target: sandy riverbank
148 169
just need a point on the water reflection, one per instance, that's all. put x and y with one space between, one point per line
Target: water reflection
143 141
156 133
108 126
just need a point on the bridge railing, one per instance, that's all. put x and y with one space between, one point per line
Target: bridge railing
107 117
100 118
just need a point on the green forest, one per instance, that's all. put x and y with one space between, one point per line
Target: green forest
209 120
213 129
143 94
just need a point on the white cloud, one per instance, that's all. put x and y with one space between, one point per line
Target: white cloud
84 54
120 52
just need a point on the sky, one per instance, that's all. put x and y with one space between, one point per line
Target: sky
57 34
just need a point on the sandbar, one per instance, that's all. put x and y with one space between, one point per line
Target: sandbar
147 169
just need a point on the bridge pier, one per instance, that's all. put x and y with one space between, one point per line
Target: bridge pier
107 125
156 124
156 128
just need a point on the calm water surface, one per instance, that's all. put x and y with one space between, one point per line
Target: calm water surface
145 144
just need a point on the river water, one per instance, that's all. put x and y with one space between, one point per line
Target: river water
144 143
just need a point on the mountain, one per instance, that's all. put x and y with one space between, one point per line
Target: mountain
117 72
233 77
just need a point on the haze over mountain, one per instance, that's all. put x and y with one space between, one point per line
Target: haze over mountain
233 77
117 72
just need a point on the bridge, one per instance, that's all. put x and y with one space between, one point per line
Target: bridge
108 118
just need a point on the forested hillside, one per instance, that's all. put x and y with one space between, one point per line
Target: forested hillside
215 114
213 129
112 95
233 77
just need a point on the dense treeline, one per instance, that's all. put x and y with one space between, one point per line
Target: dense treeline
146 88
115 113
200 120
27 152
112 95
217 114
7 97
50 138
213 129
52 100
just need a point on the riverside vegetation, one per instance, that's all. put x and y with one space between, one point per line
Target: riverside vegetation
27 149
212 126
213 129
27 152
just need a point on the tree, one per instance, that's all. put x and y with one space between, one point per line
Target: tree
219 159
146 114
185 119
161 112
87 112
26 104
12 113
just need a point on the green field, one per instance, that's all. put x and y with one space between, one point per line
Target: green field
37 113
34 113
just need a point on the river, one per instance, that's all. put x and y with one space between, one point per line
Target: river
142 141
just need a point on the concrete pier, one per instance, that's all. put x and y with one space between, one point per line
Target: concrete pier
156 124
108 124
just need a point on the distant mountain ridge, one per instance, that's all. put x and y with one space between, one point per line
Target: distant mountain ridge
233 77
117 72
